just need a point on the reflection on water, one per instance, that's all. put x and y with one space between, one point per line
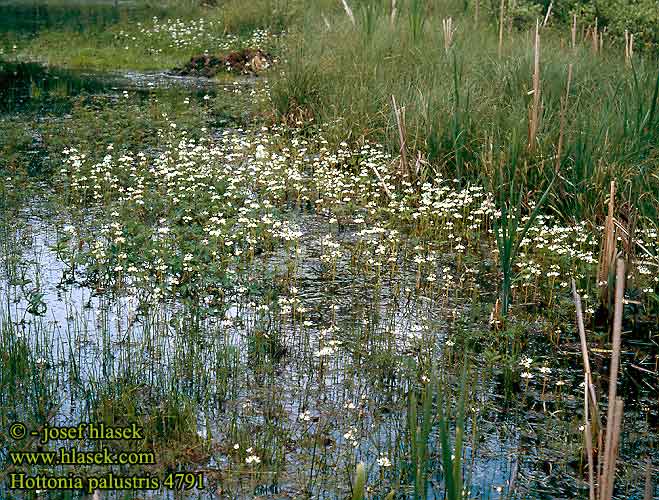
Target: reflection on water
35 87
29 86
86 336
27 18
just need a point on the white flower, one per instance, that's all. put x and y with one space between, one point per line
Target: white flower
261 152
253 459
325 351
384 461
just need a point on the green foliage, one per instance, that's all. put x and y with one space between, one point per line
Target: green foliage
430 417
640 17
417 18
507 228
159 208
523 15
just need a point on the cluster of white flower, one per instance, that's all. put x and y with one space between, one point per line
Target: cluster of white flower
233 187
201 35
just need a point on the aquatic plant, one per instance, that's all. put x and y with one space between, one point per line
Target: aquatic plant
249 270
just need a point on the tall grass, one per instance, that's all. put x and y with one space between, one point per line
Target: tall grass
417 18
461 102
509 230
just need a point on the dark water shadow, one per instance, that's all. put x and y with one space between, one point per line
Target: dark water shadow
28 18
35 87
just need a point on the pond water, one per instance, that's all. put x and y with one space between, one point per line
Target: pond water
305 344
28 18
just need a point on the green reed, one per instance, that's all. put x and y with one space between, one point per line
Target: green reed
430 418
455 124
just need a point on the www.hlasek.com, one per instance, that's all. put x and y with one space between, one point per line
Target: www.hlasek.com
72 456
102 456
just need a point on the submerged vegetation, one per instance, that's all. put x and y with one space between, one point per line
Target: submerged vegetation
353 273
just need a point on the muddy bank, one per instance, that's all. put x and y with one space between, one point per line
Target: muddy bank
244 61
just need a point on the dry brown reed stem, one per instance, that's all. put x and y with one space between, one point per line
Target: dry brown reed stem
561 133
449 31
574 32
629 47
588 438
382 183
348 10
600 458
400 122
608 250
595 33
544 22
500 51
589 391
534 112
419 162
613 418
477 11
393 12
584 344
612 453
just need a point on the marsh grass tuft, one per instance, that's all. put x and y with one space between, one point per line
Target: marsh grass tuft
430 417
508 228
600 130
